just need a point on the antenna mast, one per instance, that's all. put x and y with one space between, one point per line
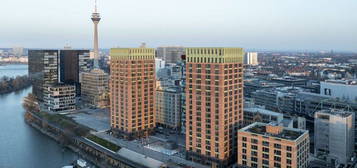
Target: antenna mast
95 6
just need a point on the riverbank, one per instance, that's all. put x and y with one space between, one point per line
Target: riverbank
16 135
23 146
8 85
77 138
13 63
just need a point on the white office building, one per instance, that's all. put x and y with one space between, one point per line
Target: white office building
61 98
334 136
251 58
342 89
159 64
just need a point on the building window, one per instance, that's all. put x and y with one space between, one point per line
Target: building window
276 158
254 165
254 159
254 153
327 92
265 149
278 146
277 152
254 147
254 141
277 165
244 144
265 143
265 156
266 162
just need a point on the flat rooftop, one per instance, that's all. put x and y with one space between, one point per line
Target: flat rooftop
289 78
96 119
291 134
336 112
286 89
343 82
324 99
262 111
140 158
262 83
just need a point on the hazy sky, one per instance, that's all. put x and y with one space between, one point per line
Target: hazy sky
253 24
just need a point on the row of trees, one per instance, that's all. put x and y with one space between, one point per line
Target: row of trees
8 85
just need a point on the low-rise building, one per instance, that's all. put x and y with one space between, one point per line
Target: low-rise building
280 99
268 145
290 81
95 88
61 98
168 107
252 85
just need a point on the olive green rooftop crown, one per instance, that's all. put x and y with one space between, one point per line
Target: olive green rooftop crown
215 55
132 53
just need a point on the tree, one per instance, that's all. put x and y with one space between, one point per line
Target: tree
8 85
30 103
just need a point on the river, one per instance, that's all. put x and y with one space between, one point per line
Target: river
21 146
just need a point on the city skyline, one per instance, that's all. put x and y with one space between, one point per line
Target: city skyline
178 83
253 25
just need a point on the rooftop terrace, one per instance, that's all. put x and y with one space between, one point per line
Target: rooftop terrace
285 133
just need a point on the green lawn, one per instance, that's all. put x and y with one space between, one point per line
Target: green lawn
104 143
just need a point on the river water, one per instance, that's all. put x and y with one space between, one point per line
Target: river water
21 146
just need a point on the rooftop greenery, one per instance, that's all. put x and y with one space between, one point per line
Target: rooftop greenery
104 143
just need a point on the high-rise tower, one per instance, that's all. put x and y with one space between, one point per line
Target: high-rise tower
214 104
43 71
96 18
72 63
132 90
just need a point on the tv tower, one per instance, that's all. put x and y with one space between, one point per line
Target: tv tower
96 18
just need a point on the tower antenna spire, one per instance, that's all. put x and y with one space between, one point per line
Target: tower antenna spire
96 18
95 6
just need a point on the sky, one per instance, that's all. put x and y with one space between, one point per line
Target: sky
251 24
